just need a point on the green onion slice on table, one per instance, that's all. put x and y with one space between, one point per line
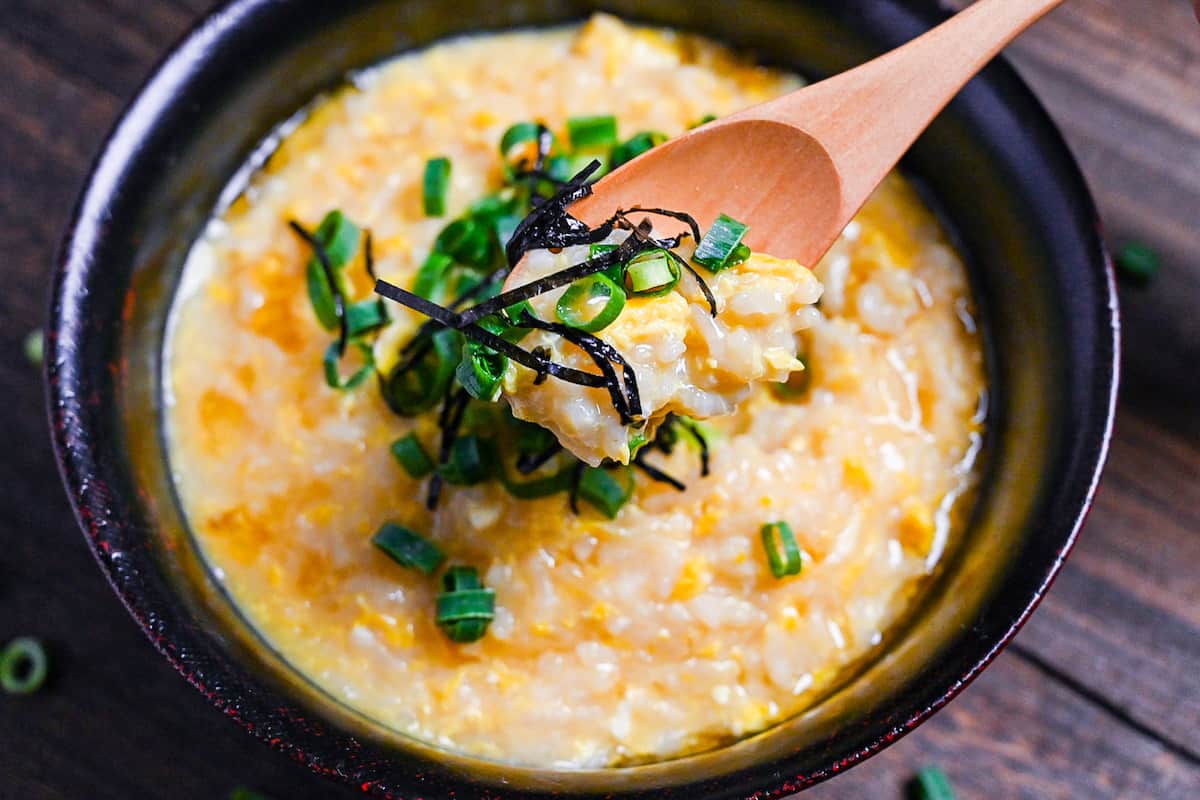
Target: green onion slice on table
930 783
23 666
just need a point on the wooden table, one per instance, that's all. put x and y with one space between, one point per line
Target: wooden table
1098 697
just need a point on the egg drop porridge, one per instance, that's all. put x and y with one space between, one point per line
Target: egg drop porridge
574 613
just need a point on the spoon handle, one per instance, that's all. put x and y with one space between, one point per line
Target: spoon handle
868 118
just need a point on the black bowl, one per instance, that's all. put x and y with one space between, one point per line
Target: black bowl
993 164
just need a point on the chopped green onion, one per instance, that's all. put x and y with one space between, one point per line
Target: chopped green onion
514 312
471 460
465 282
461 579
467 241
23 666
531 437
408 548
435 186
333 376
412 456
365 316
464 606
481 370
652 274
637 440
539 487
592 132
35 347
431 277
930 783
418 388
635 146
615 273
321 295
338 237
481 417
607 489
740 254
564 168
718 245
707 118
1138 263
518 134
797 383
242 793
494 205
783 553
591 304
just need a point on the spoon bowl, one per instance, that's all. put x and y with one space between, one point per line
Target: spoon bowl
717 169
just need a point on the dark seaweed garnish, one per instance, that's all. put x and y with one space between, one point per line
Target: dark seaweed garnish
625 398
656 474
638 241
707 292
449 421
530 462
701 442
339 299
549 224
451 319
369 263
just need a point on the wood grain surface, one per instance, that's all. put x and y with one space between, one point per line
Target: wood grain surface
1100 695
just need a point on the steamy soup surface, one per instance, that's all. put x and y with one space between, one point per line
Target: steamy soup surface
549 610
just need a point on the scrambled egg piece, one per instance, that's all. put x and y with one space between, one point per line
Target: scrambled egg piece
686 360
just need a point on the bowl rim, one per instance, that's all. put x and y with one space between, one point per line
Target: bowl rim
78 446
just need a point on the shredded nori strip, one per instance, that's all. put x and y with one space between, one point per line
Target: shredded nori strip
708 295
576 477
339 299
425 333
449 319
656 474
369 263
598 263
625 399
701 442
684 217
450 421
541 352
529 462
549 224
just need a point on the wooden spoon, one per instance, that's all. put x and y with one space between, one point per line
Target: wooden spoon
797 169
